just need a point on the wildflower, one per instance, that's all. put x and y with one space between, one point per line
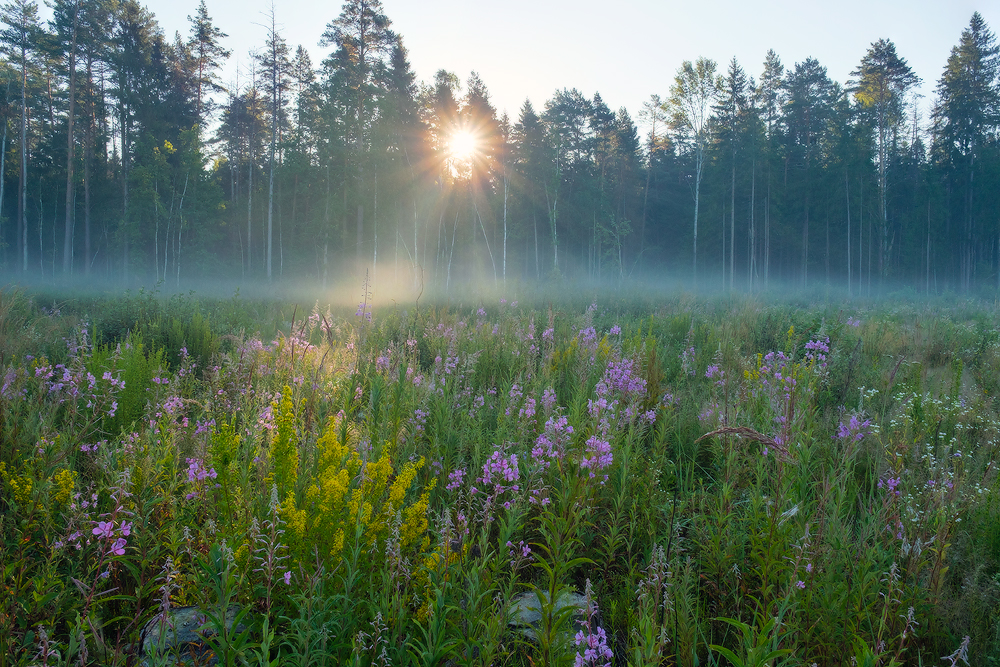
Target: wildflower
593 639
890 485
518 553
598 456
687 361
455 479
104 529
549 399
173 405
551 444
855 429
615 330
288 577
118 548
800 584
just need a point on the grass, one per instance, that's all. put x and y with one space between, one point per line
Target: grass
730 481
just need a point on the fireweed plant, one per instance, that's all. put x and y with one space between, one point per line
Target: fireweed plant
740 482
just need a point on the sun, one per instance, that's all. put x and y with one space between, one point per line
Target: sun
462 145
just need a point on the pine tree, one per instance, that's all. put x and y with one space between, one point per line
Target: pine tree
18 40
363 39
732 111
275 65
770 93
967 111
209 55
530 155
66 21
807 108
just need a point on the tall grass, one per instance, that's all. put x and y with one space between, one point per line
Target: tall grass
726 481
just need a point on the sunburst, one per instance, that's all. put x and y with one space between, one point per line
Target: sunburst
463 145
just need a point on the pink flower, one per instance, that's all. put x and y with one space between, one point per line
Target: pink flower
104 529
118 548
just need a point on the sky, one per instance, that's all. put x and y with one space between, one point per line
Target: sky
626 50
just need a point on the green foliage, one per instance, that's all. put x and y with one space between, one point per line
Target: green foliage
383 510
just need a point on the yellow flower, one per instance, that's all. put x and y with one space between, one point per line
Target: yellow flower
284 453
63 482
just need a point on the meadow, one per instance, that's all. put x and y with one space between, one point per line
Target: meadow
739 480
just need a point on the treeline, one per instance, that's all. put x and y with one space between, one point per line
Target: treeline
124 156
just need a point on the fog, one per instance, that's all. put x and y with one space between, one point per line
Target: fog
388 288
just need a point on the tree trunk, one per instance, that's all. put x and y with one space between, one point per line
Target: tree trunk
483 227
88 156
451 254
70 149
505 188
22 200
732 223
250 212
699 158
270 198
3 161
847 191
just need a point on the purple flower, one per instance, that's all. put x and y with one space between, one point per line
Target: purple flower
118 548
104 529
855 429
552 443
800 584
455 478
890 484
598 455
595 648
288 577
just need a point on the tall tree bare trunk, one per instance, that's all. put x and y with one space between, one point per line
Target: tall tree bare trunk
70 150
847 192
22 200
88 157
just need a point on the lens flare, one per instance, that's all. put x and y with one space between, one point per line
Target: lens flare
463 145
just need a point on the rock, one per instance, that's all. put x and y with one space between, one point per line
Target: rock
180 637
526 616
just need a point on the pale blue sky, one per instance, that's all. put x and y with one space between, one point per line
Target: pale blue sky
627 50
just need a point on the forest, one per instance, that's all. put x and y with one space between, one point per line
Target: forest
126 158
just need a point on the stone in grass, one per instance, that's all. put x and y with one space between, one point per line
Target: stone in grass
526 616
179 637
